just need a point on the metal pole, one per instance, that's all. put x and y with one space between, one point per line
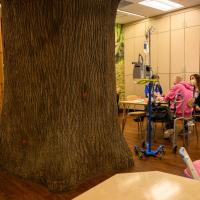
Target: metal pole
150 47
149 117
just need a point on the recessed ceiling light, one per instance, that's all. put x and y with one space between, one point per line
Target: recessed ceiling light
129 13
164 5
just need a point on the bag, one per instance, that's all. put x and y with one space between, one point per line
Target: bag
160 113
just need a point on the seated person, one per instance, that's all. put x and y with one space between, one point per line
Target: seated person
177 80
186 90
156 90
195 81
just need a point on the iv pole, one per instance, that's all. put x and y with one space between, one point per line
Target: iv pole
148 151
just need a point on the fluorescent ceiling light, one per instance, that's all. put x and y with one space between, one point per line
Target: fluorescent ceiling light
164 5
129 13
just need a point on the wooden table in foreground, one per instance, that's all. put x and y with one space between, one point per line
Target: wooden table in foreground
152 185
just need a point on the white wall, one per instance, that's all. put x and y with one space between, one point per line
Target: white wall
175 47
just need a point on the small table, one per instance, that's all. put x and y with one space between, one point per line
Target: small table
126 105
153 185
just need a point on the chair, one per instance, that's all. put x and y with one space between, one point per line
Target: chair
159 115
138 116
196 119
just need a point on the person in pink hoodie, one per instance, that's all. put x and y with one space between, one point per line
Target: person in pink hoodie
186 90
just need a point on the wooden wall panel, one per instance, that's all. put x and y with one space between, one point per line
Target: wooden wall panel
160 24
192 49
164 81
138 47
177 21
177 51
192 18
128 31
163 52
163 24
128 55
139 30
154 52
132 88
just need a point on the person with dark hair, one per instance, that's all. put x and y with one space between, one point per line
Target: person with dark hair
195 81
156 90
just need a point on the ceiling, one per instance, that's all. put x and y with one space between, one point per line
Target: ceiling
133 7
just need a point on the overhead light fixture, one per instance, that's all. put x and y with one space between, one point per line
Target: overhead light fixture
129 13
164 5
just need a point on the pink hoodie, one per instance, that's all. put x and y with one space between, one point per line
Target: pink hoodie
186 90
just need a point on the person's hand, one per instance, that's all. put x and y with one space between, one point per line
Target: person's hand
160 98
146 100
191 102
157 94
197 108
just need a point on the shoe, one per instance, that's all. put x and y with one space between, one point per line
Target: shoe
168 133
190 123
188 132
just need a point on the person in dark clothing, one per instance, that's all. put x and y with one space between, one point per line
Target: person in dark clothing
195 81
156 90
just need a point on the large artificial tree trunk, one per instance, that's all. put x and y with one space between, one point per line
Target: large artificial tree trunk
59 122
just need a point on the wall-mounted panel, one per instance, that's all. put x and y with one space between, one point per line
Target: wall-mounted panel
132 88
128 31
192 49
129 85
160 24
177 51
192 18
177 21
164 82
138 47
128 55
154 23
139 30
163 24
163 52
154 52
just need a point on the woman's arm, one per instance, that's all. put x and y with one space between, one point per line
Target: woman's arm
197 101
171 94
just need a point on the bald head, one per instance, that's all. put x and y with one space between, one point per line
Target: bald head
178 79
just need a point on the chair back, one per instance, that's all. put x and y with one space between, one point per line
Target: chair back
131 97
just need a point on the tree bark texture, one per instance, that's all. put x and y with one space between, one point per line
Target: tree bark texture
59 121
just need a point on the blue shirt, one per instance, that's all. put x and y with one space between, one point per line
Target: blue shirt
157 89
